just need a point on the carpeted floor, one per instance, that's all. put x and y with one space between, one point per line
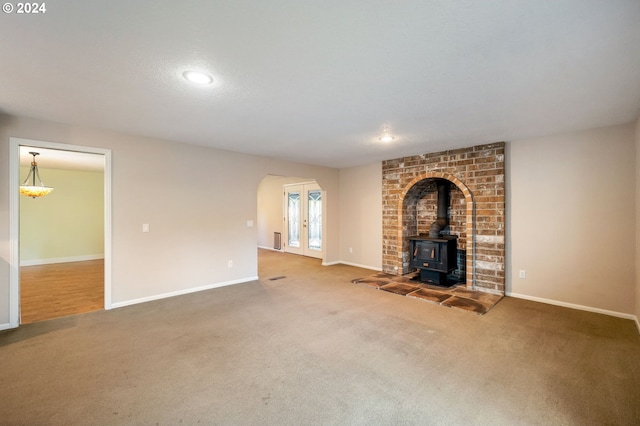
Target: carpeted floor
311 348
455 296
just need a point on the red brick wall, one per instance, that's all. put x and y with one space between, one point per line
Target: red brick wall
427 207
476 212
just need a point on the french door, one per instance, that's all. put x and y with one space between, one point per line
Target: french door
303 219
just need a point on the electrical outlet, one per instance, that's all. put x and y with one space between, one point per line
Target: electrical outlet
230 264
350 249
523 273
145 227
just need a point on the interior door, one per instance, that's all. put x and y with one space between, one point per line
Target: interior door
303 219
293 196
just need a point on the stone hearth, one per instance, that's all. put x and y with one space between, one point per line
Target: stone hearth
458 297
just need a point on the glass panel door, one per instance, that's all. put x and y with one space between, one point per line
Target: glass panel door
303 219
294 219
294 214
314 216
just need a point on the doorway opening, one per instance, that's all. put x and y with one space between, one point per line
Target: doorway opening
272 226
60 244
303 219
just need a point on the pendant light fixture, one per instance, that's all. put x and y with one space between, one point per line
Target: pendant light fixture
30 189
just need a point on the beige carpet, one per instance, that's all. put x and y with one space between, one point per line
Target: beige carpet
314 349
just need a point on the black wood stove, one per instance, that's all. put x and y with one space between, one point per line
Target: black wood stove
435 257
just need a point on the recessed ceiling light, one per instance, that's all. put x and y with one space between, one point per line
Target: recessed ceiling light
387 136
197 77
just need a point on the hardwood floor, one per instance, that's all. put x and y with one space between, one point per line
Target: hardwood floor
61 289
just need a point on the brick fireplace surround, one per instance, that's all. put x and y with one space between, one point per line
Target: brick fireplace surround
476 213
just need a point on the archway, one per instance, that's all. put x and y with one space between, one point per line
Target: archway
407 221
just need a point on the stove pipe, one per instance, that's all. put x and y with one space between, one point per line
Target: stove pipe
443 205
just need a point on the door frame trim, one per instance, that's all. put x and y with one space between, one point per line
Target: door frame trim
14 218
321 253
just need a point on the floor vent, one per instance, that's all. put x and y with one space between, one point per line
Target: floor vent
277 278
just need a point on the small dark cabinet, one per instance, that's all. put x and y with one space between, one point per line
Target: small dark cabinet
434 257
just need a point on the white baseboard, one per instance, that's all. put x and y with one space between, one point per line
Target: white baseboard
337 262
357 265
7 326
574 306
52 260
180 292
269 248
634 318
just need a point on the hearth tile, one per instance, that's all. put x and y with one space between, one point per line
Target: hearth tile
457 296
372 281
439 288
399 288
480 296
429 295
444 288
402 279
466 304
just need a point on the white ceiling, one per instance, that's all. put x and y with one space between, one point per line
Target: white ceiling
316 81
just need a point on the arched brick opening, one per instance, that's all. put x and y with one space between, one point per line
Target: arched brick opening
476 175
406 219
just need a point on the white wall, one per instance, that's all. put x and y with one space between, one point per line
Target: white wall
270 207
571 218
197 201
196 229
361 216
637 162
67 224
565 193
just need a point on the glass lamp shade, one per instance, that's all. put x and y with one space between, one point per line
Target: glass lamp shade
35 191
